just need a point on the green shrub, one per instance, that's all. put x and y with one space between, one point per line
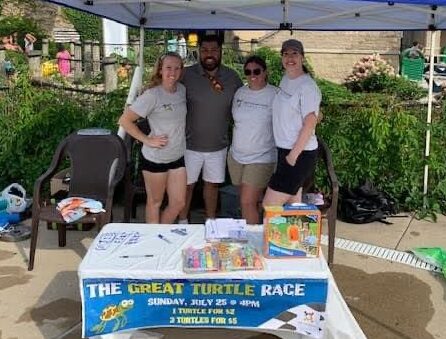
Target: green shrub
335 94
11 24
88 26
32 129
274 63
385 144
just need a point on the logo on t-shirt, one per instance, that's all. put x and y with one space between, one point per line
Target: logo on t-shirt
284 93
168 107
250 104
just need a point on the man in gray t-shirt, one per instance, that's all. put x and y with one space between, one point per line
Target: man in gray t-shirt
210 88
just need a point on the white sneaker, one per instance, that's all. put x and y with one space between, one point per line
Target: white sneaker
183 221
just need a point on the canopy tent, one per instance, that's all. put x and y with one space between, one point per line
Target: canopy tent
313 15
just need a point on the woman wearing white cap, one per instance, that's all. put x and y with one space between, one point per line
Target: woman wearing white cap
295 115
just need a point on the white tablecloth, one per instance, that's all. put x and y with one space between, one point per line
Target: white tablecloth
135 251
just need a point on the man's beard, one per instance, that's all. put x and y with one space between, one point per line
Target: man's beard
210 66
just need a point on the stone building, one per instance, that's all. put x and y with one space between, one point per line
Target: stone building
48 16
332 54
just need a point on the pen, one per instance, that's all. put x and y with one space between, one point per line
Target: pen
162 237
137 256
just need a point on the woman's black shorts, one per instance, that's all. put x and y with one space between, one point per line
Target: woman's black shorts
150 166
288 179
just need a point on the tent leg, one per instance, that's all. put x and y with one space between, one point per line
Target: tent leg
429 116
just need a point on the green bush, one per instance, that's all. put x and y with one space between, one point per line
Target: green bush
32 129
385 144
88 26
273 62
376 136
399 87
11 24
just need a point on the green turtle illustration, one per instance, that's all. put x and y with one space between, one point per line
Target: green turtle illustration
114 312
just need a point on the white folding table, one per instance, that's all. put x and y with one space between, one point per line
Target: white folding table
132 277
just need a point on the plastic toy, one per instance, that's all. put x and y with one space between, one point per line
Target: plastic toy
292 231
200 259
223 256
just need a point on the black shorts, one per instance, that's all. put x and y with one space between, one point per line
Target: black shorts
150 166
288 179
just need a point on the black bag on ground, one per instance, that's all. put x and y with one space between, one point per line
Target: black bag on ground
365 204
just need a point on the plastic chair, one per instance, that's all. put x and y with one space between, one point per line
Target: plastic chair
134 181
412 69
97 165
443 55
330 208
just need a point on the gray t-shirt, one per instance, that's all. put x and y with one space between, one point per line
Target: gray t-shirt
208 111
252 137
166 113
295 100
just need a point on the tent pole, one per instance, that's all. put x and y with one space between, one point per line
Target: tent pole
429 117
136 83
141 51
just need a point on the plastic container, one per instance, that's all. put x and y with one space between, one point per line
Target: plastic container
9 218
3 204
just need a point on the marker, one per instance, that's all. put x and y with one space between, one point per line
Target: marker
162 237
137 256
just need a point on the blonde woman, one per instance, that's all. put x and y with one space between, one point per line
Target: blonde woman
163 104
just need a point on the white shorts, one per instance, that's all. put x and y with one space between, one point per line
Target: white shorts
212 163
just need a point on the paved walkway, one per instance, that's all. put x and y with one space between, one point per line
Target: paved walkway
389 299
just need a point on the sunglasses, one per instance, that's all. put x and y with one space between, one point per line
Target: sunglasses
256 71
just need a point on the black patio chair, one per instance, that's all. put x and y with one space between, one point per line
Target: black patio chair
330 207
134 181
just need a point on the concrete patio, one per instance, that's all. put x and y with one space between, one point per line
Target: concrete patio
388 299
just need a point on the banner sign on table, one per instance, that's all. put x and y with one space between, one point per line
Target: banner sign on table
297 305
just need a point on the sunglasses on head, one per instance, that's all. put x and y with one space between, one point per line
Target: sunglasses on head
256 71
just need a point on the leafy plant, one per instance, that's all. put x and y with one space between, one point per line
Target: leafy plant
89 26
21 25
274 64
32 130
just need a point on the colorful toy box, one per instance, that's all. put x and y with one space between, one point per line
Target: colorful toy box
292 231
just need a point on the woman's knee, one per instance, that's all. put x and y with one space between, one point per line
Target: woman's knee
177 204
248 203
154 202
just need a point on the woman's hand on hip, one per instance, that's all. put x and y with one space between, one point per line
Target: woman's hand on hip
156 141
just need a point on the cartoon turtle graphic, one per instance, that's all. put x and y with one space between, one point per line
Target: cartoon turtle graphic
114 312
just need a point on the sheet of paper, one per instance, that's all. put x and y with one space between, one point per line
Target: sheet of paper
226 228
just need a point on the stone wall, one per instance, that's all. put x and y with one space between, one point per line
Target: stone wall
47 15
332 54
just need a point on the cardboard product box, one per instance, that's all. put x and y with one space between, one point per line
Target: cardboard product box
292 231
59 182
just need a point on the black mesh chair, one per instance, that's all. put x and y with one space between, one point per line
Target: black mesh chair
330 207
134 181
97 164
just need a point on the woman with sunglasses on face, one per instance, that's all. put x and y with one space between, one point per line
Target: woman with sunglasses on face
252 155
295 115
163 104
